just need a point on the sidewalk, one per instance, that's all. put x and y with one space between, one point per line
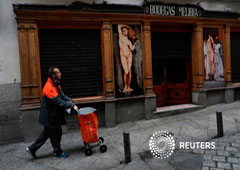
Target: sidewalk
194 126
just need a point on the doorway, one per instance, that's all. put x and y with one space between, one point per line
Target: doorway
171 67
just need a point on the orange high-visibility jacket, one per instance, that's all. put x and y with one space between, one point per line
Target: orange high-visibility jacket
54 102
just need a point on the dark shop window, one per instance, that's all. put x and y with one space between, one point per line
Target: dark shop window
77 53
235 56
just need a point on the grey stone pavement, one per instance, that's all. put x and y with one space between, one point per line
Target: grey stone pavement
193 126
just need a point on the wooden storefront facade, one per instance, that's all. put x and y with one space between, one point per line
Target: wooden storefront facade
155 30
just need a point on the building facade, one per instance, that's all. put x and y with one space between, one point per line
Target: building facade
124 60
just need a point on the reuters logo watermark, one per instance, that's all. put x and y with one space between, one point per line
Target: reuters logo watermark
162 144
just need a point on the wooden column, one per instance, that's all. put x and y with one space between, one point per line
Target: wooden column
108 60
197 58
29 63
227 56
147 59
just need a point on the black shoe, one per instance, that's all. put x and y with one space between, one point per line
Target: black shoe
31 153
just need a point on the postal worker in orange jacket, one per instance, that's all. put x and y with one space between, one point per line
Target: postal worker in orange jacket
54 103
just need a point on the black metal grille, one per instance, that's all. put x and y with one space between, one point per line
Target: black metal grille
235 56
77 53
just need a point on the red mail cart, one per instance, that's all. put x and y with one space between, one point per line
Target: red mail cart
88 122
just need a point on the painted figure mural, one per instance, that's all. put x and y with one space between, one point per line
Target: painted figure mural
128 59
213 57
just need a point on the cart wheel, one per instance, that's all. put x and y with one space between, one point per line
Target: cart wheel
103 148
101 139
88 152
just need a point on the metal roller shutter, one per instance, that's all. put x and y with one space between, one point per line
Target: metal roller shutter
235 56
77 53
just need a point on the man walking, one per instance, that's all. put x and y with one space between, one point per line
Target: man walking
53 105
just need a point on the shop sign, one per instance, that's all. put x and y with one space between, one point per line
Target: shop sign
172 10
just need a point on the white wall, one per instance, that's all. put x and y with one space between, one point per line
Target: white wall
221 6
9 53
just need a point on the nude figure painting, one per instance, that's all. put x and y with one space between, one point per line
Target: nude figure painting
127 52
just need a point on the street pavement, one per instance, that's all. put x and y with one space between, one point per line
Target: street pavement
195 126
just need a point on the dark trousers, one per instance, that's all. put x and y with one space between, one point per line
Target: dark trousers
55 135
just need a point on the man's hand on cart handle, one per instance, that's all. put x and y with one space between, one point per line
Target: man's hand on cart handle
75 108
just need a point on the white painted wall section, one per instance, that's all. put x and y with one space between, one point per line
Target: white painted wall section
9 51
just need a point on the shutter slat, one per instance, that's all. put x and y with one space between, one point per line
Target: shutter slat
78 55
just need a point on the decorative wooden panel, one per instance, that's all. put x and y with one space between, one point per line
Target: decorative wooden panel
197 58
147 59
161 94
29 63
108 60
178 93
227 56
